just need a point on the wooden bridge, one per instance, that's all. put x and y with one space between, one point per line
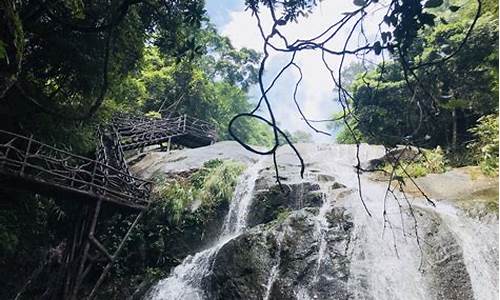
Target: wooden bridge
28 164
138 132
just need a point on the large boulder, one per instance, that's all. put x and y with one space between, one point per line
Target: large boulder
286 258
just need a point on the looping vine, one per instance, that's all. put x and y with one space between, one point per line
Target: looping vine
402 25
273 149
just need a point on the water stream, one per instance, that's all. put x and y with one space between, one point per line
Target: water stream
276 267
454 257
184 283
321 230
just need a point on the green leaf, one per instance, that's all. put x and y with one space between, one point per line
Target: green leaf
360 2
433 3
281 22
454 8
377 48
427 19
3 51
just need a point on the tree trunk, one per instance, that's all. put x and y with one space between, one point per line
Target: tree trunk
454 129
11 45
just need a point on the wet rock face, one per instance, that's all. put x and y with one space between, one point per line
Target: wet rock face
269 203
293 248
241 267
391 157
314 240
314 263
445 264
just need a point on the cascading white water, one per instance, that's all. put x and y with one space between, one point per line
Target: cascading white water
384 262
321 229
236 217
387 263
480 250
275 269
184 281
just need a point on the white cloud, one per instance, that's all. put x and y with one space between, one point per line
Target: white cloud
316 90
243 30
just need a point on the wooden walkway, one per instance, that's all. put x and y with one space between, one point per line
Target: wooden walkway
30 164
138 132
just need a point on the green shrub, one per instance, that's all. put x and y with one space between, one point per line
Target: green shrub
413 169
174 197
433 160
485 145
221 182
199 177
153 115
428 162
213 183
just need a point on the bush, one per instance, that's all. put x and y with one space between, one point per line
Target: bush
485 145
428 162
433 160
187 213
213 183
220 183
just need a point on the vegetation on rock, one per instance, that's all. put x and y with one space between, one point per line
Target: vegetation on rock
187 213
446 103
426 162
485 144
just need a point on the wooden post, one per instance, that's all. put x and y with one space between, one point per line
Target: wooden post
93 177
73 174
79 225
25 160
6 156
115 255
80 275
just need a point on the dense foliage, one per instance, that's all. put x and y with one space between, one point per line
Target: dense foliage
212 86
68 65
187 211
438 104
82 61
485 144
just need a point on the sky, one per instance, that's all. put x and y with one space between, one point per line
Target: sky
315 95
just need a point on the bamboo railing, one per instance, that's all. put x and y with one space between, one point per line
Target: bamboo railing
28 159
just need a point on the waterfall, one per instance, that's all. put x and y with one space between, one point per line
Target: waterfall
184 283
385 262
333 249
457 257
236 218
322 228
479 244
276 267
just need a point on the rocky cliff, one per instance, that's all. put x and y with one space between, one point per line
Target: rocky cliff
313 239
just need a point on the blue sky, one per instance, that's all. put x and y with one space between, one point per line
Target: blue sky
219 10
315 95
